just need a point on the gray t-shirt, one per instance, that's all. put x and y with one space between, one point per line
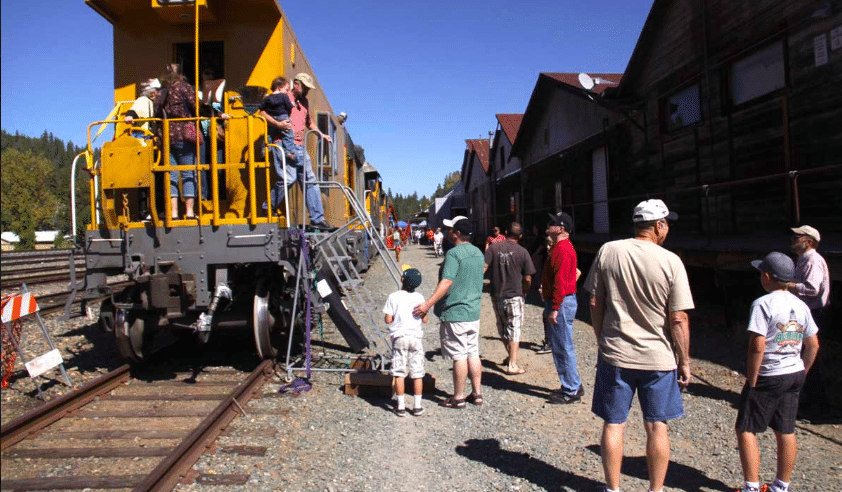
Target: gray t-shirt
785 321
508 262
641 283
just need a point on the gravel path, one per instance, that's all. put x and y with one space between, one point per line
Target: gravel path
327 441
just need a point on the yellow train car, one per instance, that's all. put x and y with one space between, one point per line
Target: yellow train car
232 247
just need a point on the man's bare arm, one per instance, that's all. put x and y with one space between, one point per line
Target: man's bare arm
441 289
680 331
527 282
597 305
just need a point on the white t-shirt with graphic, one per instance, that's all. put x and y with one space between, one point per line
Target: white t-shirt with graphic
785 321
400 305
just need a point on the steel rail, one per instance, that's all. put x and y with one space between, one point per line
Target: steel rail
32 422
175 466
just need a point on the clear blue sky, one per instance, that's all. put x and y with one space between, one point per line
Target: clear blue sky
416 78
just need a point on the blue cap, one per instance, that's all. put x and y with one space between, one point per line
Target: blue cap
778 265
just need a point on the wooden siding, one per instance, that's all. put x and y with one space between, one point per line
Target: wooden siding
795 128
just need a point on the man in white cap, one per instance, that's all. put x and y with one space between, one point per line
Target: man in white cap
300 122
812 278
458 301
811 285
639 301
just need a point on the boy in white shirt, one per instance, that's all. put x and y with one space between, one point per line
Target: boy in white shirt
406 332
779 327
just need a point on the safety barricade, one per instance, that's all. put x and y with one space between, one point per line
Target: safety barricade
15 309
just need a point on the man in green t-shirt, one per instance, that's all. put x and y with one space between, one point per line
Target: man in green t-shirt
458 298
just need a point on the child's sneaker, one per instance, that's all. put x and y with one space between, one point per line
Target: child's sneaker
773 487
400 412
417 412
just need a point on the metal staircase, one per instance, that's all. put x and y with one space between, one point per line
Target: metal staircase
332 261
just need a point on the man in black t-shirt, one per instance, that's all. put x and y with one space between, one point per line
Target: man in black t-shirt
511 274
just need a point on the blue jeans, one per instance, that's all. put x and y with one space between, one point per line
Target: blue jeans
183 153
561 340
299 171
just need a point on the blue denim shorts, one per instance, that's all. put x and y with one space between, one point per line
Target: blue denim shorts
658 392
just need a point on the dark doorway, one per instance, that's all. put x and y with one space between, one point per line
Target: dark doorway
211 60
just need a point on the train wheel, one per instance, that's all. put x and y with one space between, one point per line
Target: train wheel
263 322
134 333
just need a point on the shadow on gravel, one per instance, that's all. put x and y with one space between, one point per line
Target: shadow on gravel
679 476
522 465
497 381
708 390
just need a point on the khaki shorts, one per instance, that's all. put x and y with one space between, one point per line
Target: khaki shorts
459 340
509 313
407 350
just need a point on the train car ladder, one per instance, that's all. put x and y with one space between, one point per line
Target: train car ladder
330 250
15 308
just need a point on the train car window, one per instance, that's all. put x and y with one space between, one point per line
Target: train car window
758 74
211 60
681 109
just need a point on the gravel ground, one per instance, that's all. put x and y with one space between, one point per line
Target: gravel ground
327 441
517 441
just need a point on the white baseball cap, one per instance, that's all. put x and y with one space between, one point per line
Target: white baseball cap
808 231
654 209
450 222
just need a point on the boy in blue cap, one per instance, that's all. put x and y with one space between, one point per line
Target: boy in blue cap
406 332
779 327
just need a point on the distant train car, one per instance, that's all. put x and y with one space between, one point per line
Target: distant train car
233 265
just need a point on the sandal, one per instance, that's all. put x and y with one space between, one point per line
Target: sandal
453 403
474 399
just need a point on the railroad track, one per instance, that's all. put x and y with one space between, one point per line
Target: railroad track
38 267
153 430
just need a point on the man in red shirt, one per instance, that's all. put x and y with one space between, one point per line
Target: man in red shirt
558 288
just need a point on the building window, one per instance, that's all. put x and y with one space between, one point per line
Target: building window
758 74
682 109
558 196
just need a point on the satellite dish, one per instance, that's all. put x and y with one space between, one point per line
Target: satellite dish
586 81
589 82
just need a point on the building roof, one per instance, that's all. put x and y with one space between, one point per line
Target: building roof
572 79
642 47
548 82
480 147
510 124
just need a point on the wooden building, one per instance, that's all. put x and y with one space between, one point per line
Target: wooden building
560 143
733 118
505 172
477 182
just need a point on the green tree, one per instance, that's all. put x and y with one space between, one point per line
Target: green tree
26 200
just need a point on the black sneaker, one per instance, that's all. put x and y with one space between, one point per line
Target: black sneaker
544 349
400 412
417 412
562 399
322 226
558 397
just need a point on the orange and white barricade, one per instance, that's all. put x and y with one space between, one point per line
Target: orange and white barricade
15 309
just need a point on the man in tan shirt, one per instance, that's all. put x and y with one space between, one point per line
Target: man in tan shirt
639 298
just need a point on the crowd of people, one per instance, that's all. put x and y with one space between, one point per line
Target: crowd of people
287 114
639 301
